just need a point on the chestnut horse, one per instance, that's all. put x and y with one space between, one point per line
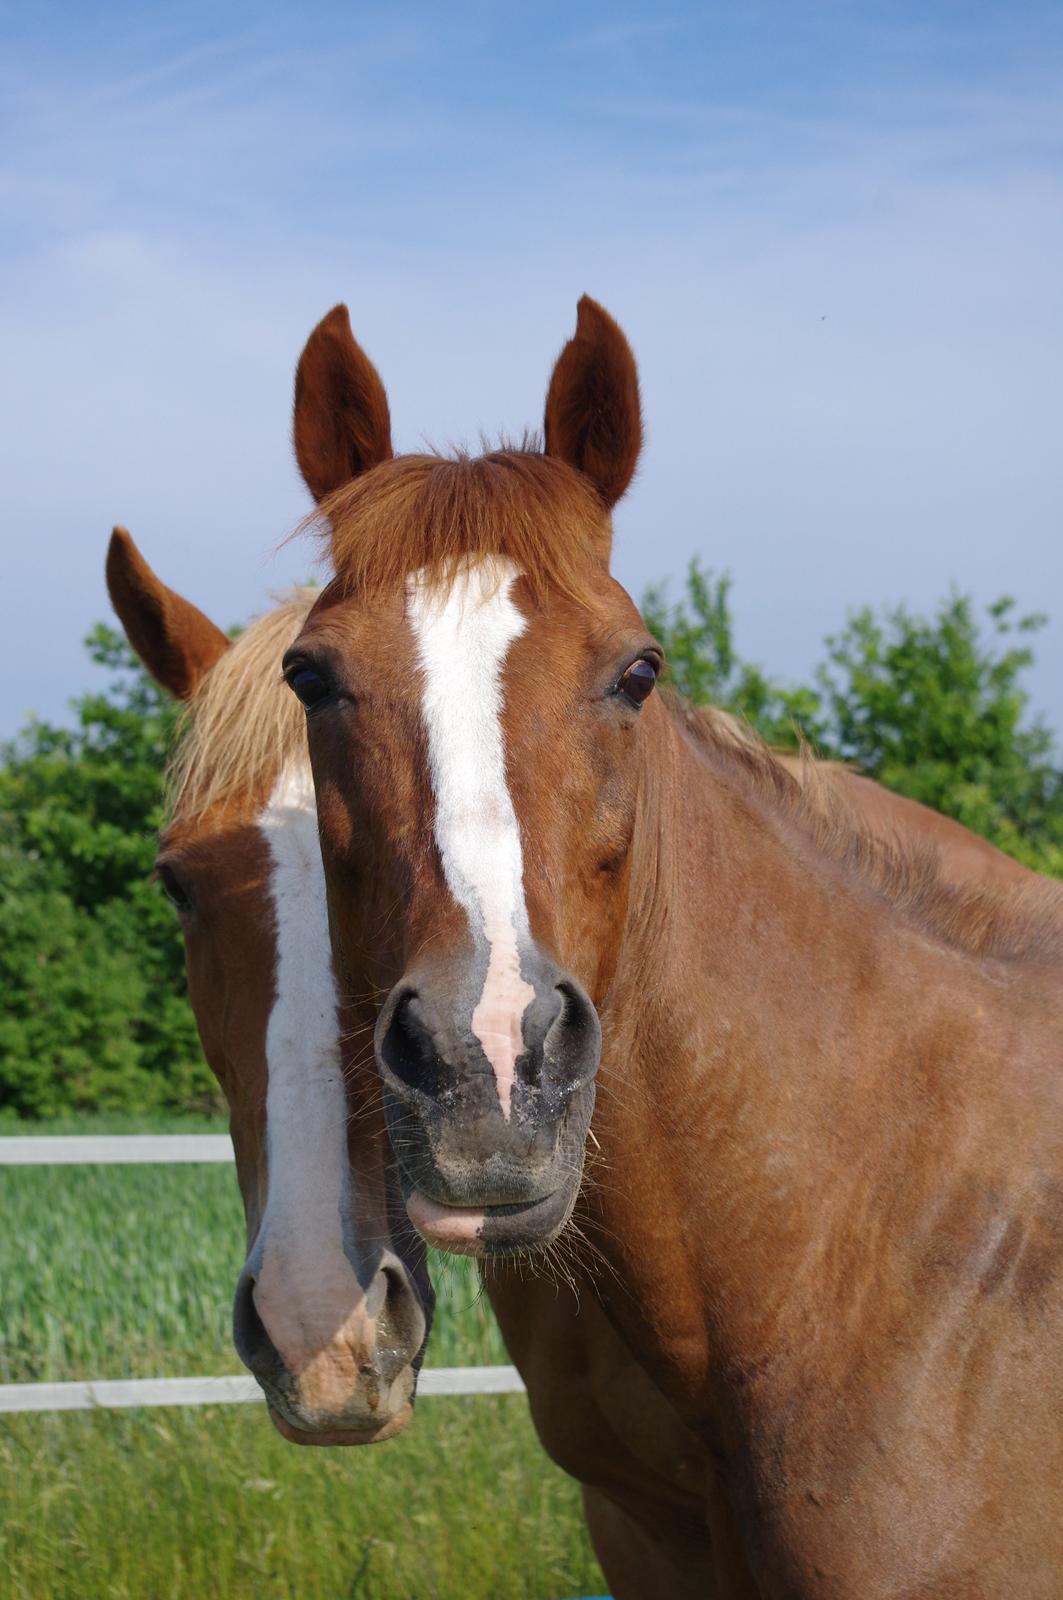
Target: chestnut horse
332 1308
830 1112
240 861
598 1414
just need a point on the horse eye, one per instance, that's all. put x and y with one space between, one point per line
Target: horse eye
638 681
174 890
309 686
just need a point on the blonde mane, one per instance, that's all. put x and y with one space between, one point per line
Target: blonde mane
1023 922
242 724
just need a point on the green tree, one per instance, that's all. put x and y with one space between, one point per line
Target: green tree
697 633
935 708
95 1013
932 707
91 964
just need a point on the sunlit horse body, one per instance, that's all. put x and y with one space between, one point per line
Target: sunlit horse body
829 1104
598 1413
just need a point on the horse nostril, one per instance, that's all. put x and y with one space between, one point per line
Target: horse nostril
400 1325
253 1344
407 1049
573 1038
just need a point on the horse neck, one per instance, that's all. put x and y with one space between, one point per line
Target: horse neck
752 1094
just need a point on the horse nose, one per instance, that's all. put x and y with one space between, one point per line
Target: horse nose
355 1371
428 1047
488 1098
409 1047
253 1344
571 1037
400 1324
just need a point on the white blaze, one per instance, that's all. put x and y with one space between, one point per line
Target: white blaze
463 632
306 1289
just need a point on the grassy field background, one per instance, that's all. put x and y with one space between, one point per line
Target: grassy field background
109 1272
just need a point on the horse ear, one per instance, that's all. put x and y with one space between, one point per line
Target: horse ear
593 419
342 422
175 641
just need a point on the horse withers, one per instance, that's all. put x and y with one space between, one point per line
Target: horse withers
332 1308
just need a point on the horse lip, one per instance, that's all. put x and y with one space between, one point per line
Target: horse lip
514 1208
340 1435
491 1230
411 1185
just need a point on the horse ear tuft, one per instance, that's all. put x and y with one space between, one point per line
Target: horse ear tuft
593 418
175 641
342 424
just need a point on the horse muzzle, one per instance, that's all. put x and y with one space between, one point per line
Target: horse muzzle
334 1370
489 1138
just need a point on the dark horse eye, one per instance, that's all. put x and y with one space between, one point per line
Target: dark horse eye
637 683
174 890
308 686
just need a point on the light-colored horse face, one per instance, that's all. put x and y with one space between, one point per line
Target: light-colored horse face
474 682
332 1307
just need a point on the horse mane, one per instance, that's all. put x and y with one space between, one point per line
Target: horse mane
1022 922
242 725
434 513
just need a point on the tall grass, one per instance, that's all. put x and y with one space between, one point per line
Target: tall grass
111 1272
129 1272
214 1505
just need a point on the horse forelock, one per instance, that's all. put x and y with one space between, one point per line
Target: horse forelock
437 515
242 726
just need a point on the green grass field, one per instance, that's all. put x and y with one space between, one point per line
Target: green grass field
110 1272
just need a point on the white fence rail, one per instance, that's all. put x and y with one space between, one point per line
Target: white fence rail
124 1148
112 1149
120 1393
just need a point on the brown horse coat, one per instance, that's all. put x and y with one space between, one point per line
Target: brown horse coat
600 1416
829 1101
657 1517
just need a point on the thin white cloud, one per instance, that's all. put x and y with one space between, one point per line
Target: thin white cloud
848 323
625 34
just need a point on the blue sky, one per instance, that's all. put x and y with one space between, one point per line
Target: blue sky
833 233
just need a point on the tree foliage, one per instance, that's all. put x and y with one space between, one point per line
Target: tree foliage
703 665
95 1014
933 707
91 963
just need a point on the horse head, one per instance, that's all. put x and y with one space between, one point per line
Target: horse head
477 690
332 1307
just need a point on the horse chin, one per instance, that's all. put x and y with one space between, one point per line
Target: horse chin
368 1413
465 1197
485 1231
343 1435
